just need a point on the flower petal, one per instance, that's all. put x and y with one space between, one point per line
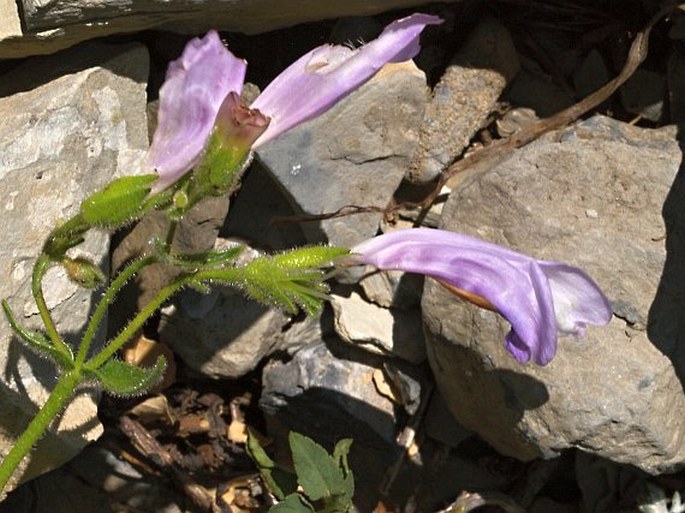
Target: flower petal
313 83
523 290
578 301
195 86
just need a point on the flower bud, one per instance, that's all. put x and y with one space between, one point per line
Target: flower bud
83 272
119 203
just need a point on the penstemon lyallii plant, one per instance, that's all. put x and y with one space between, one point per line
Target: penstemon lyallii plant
203 144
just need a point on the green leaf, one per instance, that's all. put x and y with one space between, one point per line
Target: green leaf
119 203
121 378
38 342
318 473
293 503
280 482
340 452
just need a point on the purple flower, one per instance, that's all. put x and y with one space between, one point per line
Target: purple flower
189 100
537 297
197 83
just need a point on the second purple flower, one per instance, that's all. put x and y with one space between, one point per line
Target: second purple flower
538 297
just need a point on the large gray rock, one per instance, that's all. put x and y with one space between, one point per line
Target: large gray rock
591 195
39 27
59 141
353 155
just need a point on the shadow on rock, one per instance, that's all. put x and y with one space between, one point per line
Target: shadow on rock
666 322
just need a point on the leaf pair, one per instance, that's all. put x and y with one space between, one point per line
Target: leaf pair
322 477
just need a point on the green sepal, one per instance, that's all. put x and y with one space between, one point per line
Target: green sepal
83 272
310 257
293 503
220 169
281 482
291 279
123 379
38 342
119 203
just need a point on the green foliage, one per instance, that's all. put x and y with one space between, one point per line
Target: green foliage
124 379
293 503
203 260
291 279
310 257
325 479
119 203
281 482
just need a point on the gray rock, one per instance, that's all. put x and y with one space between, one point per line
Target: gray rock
222 334
393 288
354 154
328 387
385 331
43 27
61 140
196 233
464 98
590 195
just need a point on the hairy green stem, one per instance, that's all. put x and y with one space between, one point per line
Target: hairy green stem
107 299
137 322
39 269
56 402
170 235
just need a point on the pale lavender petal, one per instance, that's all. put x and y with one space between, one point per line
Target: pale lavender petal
195 86
522 289
313 83
578 301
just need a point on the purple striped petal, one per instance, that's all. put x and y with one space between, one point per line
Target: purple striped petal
537 297
313 83
195 86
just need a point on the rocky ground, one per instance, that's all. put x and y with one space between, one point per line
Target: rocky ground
468 138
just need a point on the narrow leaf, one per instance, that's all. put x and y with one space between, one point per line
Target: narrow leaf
38 342
340 453
121 378
280 482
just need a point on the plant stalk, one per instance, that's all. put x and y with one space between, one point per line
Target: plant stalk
56 402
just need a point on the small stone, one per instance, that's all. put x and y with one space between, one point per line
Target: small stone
377 329
327 389
464 98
